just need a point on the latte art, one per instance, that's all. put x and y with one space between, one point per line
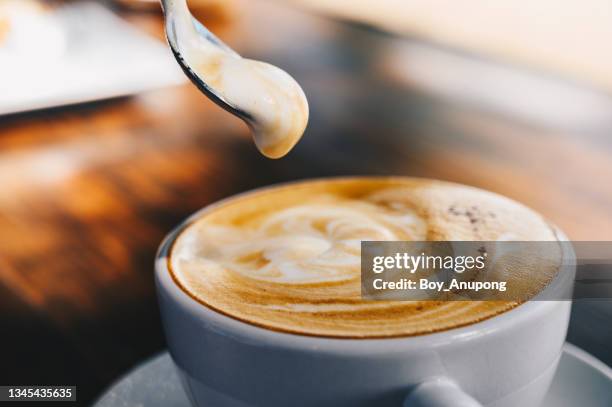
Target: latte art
288 258
312 243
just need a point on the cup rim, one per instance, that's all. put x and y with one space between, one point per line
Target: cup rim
248 332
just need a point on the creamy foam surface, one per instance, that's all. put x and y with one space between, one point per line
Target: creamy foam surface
275 104
288 258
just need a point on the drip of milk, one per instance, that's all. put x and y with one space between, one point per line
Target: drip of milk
275 105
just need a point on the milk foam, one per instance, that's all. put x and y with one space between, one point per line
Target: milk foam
275 103
289 258
310 243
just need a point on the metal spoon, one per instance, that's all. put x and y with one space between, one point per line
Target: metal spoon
174 10
267 98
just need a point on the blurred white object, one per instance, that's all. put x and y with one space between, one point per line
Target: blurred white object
520 93
80 52
29 32
566 37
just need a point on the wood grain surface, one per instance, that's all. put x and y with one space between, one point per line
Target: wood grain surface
88 192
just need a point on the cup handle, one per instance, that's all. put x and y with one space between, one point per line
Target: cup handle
439 392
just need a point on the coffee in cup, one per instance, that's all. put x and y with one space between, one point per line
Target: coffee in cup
287 258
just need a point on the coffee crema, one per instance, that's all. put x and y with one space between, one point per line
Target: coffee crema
288 258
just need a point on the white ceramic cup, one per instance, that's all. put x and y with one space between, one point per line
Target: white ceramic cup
505 361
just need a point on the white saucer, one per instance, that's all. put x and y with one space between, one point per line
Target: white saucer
581 380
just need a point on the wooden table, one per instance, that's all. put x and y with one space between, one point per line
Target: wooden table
88 192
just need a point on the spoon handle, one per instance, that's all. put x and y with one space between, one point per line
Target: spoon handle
177 12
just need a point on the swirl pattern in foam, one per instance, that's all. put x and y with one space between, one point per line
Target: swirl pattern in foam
288 258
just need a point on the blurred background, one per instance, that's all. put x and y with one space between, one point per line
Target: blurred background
104 146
